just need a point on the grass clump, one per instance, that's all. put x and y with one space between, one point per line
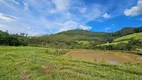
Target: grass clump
56 51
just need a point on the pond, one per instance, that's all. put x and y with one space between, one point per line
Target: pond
112 57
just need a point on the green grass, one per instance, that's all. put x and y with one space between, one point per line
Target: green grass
83 42
124 39
128 37
33 63
113 43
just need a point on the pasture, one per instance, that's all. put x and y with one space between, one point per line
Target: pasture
33 63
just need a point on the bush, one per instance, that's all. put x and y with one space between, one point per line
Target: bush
12 40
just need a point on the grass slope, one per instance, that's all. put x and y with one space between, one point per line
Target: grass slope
124 39
128 37
32 63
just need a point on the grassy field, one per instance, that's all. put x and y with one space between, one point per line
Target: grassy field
33 63
128 37
124 39
113 43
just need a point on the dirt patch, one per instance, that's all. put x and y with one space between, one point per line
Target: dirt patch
50 69
24 76
108 56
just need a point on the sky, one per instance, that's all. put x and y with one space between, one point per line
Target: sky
39 17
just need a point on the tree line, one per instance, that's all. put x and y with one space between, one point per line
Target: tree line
12 39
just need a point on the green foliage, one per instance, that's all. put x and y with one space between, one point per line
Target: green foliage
12 40
126 31
69 39
132 44
72 39
128 42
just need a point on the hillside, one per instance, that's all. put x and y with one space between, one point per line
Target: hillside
126 31
128 42
70 39
125 39
129 37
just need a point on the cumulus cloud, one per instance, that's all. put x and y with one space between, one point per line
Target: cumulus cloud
61 4
135 10
106 15
69 25
84 27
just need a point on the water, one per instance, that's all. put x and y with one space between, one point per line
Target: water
108 56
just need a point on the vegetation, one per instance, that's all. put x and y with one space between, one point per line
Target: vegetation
78 39
48 63
69 39
129 37
129 42
12 40
33 63
126 31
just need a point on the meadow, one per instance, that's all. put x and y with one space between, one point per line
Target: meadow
34 63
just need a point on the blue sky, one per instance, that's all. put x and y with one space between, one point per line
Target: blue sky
38 17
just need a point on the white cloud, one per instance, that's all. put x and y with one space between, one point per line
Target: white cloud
45 16
26 7
61 4
135 10
69 25
15 2
106 16
83 10
84 27
6 18
18 27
